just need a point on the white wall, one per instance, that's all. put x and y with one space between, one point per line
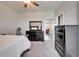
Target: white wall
69 10
8 21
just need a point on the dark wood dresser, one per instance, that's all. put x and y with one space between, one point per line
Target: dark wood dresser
35 35
66 37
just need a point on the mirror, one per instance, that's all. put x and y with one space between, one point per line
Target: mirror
35 25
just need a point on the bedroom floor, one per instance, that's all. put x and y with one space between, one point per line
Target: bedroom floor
42 49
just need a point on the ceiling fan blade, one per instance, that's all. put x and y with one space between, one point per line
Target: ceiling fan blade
34 3
25 5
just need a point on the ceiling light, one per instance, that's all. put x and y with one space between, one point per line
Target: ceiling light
27 1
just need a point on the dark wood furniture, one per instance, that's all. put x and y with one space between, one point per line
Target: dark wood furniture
66 40
60 40
35 35
35 32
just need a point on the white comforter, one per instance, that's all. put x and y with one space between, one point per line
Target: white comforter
12 45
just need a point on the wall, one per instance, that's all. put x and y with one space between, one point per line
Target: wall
8 21
69 11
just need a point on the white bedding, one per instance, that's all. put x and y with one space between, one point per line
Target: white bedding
13 46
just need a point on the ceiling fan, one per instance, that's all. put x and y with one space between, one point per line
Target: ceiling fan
26 2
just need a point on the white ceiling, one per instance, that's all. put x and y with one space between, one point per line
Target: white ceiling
18 6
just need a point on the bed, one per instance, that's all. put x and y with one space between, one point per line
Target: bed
13 45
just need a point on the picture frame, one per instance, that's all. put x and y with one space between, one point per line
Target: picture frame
60 20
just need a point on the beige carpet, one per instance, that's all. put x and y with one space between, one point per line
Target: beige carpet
42 49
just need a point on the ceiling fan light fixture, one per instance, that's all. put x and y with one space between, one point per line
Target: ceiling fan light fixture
27 1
